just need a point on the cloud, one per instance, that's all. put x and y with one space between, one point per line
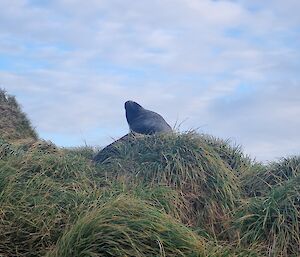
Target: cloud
228 67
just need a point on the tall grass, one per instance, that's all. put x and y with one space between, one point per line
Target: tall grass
44 193
186 163
163 195
128 227
163 198
273 219
40 194
14 124
260 179
230 153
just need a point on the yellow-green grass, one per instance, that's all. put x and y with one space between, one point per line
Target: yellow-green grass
128 227
186 163
172 195
40 194
162 197
260 179
14 124
230 153
273 219
44 193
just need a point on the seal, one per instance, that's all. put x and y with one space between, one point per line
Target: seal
140 121
143 121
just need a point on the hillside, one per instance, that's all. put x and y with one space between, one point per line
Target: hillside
181 194
14 124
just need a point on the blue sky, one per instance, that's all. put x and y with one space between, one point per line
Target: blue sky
227 68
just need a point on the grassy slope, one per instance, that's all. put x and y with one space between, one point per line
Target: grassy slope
168 195
14 124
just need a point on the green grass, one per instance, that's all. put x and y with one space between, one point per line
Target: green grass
163 195
40 195
128 227
163 198
186 163
231 154
87 152
14 124
273 219
44 194
260 179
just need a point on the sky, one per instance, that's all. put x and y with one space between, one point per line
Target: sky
228 68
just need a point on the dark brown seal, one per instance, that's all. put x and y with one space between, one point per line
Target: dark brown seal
143 121
140 121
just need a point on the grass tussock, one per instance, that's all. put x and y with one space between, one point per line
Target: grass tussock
87 152
186 163
231 154
273 219
14 124
260 179
128 227
39 196
163 198
42 194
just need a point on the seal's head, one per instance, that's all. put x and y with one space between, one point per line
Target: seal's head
132 110
144 121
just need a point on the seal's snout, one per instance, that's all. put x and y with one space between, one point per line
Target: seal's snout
131 105
127 103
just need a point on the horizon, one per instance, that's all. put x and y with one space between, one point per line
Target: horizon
226 68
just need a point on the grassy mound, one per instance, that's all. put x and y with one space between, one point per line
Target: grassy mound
162 195
186 163
14 124
260 179
128 227
273 219
43 193
163 198
230 154
40 194
87 152
271 211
